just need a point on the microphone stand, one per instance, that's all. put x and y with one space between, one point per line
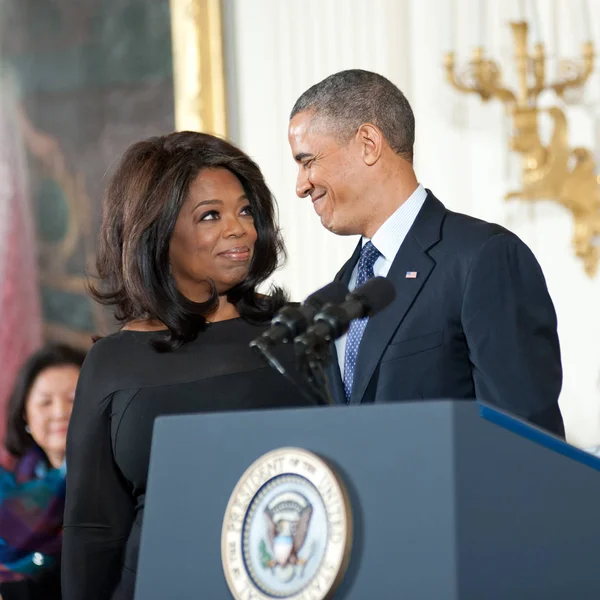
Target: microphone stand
314 392
312 363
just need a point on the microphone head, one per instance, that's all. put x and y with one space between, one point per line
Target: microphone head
375 295
333 293
292 320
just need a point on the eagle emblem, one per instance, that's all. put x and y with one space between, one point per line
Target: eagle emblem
287 529
288 518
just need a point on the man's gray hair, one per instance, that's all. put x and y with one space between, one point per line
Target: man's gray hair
346 100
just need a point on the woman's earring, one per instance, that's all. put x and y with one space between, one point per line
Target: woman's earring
27 429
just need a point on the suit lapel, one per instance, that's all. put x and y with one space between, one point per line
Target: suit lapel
334 374
412 256
345 273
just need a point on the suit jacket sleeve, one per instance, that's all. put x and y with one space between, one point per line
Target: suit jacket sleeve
99 509
511 331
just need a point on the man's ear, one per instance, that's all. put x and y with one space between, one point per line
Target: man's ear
371 140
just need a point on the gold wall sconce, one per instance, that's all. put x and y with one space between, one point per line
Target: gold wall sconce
553 171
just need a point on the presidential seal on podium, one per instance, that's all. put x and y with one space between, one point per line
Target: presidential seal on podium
287 531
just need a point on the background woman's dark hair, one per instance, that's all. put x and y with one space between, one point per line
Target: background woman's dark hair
140 209
17 440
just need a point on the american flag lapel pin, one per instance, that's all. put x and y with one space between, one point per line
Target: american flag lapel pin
411 274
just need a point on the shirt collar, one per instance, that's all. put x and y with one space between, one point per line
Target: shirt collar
389 237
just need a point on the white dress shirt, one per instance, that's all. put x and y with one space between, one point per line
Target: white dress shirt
387 240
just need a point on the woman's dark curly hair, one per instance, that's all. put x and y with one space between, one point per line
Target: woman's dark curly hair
17 440
140 209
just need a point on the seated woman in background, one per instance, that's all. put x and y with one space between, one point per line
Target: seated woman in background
32 495
188 234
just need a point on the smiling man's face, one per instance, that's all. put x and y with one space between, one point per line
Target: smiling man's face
328 173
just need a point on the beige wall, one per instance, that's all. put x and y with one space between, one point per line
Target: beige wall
279 48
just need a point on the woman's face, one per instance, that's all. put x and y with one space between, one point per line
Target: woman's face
214 235
48 409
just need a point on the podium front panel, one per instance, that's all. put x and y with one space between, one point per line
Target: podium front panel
446 505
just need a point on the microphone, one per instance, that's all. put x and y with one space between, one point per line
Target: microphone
333 321
291 321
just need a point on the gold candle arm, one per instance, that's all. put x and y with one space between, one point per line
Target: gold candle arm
582 72
452 77
551 170
484 76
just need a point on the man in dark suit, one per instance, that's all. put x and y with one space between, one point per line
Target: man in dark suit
472 317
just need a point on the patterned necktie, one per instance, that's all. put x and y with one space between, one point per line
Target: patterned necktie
368 256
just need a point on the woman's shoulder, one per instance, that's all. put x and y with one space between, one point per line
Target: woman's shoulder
113 359
127 360
112 348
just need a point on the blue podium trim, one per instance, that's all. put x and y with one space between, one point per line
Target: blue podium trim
537 435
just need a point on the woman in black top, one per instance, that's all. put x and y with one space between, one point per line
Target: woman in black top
188 233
